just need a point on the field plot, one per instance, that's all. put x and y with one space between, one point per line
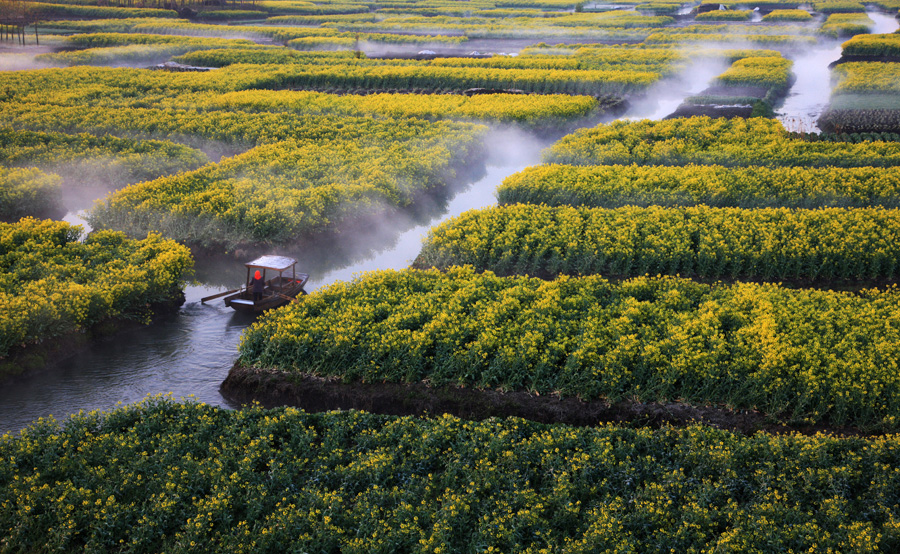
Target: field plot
865 99
829 246
161 476
211 208
125 48
727 142
28 192
39 168
613 186
104 160
287 190
795 355
749 87
357 164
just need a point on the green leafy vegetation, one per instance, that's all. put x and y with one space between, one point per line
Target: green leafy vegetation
162 476
54 284
796 355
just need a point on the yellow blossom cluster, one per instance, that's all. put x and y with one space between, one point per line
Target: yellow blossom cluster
52 284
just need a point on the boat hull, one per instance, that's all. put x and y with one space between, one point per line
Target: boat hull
276 294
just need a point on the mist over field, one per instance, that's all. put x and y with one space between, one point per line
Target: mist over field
14 61
664 98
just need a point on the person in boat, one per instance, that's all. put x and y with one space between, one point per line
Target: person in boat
257 285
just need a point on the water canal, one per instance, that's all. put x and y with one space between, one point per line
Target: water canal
809 95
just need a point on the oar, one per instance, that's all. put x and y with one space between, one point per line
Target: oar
286 297
203 300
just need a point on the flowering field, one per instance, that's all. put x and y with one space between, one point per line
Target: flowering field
526 109
53 284
238 128
795 355
867 77
769 72
292 122
180 27
826 246
280 192
612 186
864 98
362 155
848 24
170 477
131 53
35 167
28 191
887 45
787 15
706 141
84 159
353 75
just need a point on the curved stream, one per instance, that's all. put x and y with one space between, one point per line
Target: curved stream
190 353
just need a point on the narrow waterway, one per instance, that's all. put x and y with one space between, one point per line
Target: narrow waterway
810 93
665 98
884 23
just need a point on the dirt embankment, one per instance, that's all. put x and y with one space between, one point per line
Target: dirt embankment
871 58
837 285
315 394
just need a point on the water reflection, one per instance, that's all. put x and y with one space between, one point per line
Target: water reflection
184 355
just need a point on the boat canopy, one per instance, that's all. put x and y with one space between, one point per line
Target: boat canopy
276 263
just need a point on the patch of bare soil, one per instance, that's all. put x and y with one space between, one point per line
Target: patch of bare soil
848 59
710 110
724 90
315 394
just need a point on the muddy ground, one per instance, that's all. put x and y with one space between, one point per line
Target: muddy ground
245 385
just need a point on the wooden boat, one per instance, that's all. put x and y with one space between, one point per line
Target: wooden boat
279 289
